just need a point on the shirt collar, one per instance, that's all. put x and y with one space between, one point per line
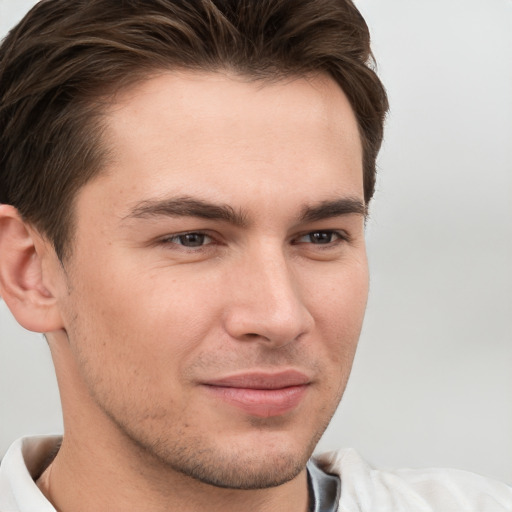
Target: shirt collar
22 463
324 489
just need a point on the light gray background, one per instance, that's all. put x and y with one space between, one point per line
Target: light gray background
432 382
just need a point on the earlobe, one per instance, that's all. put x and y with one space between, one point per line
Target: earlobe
22 280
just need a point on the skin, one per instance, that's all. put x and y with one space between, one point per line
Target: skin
137 322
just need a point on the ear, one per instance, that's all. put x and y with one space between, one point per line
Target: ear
23 284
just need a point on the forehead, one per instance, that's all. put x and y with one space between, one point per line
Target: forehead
195 96
194 133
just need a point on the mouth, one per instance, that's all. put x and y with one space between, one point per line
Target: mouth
261 394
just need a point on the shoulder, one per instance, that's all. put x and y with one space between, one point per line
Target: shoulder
367 489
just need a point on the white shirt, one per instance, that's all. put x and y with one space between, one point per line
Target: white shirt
363 488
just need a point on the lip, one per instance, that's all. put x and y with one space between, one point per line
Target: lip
261 394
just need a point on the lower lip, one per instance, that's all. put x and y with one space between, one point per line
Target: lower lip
263 403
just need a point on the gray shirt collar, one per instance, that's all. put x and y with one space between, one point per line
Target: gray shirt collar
324 489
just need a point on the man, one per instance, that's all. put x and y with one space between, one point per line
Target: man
184 188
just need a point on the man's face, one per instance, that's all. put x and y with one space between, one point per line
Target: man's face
218 280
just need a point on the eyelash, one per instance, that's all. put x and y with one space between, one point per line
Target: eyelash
340 237
172 239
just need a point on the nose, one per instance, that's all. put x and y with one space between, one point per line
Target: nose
266 303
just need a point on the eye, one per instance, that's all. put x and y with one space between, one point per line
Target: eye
189 240
321 237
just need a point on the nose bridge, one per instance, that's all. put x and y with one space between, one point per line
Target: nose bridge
266 301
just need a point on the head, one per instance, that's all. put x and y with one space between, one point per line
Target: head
187 184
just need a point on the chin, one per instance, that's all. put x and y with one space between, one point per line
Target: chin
258 461
242 472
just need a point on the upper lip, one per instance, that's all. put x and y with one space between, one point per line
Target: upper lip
261 380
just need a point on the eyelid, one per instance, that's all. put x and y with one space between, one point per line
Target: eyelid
169 239
342 235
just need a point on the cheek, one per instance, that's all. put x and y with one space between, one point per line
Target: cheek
341 299
339 312
151 324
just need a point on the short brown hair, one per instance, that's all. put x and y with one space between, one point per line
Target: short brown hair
65 55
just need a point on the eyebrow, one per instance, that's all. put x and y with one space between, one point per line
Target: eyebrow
336 208
191 207
187 207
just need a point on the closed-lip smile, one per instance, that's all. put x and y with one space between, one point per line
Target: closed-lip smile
262 394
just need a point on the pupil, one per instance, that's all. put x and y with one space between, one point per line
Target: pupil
192 240
321 238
